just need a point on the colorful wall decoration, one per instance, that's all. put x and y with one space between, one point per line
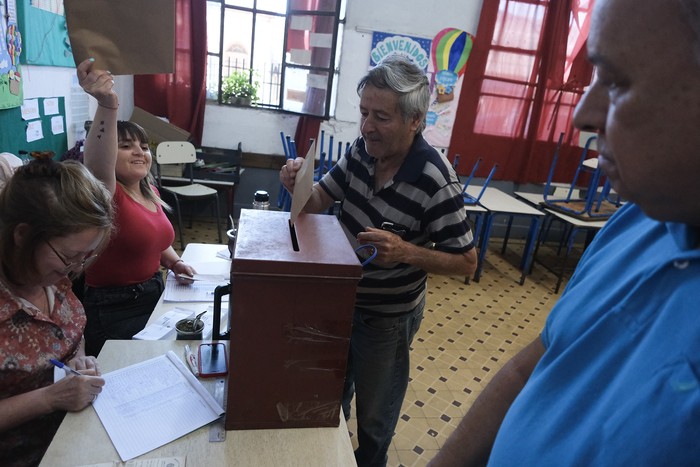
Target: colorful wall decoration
10 50
449 54
415 48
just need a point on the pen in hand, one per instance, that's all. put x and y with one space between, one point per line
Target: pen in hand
65 367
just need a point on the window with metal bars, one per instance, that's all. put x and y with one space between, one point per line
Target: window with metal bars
287 50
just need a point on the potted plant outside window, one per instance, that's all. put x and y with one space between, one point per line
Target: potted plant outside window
237 89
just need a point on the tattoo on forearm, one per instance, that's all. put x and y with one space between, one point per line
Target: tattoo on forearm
101 129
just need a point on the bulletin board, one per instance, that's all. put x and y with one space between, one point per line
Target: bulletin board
44 33
13 137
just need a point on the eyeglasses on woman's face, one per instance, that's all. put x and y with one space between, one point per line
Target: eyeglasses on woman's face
85 262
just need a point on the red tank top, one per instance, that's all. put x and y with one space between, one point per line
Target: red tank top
133 253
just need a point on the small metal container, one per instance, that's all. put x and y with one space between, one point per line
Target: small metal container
189 329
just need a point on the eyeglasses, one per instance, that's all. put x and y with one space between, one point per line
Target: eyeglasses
73 265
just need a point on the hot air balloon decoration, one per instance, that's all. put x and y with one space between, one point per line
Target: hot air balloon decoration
449 52
14 49
14 43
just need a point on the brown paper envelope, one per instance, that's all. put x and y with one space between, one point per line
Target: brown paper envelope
303 184
126 37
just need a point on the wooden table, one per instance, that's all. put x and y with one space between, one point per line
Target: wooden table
81 439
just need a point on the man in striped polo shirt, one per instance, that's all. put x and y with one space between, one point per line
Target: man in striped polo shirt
400 195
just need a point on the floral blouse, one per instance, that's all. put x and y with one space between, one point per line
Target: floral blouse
28 339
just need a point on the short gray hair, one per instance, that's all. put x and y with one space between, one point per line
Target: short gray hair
400 75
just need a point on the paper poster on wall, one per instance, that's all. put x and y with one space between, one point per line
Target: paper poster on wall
50 106
449 54
57 126
30 109
27 128
10 50
415 48
34 131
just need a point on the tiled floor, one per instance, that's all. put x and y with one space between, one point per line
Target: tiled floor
468 333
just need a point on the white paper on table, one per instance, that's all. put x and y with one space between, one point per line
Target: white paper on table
178 461
198 291
152 403
303 184
208 319
214 268
158 462
195 292
165 326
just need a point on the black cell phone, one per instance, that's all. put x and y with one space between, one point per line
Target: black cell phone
212 359
397 229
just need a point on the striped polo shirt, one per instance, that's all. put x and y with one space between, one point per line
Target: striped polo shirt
424 198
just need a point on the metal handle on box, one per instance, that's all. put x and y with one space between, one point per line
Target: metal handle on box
219 292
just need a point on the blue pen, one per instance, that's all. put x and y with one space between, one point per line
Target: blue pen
65 367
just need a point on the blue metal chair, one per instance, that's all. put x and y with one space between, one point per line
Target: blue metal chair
597 191
469 199
326 161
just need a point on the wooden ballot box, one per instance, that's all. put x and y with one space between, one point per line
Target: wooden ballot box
290 319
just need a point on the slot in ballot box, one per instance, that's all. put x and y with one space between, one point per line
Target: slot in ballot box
290 319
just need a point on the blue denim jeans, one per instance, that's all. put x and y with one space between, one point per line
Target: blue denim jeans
118 312
377 375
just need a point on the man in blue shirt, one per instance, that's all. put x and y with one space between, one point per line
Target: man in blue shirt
614 379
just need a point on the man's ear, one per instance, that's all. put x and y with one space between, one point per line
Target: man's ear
416 121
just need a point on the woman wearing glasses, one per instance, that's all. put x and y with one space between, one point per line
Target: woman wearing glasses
54 219
125 283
